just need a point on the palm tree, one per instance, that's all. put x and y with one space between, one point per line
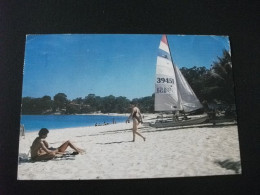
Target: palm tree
221 84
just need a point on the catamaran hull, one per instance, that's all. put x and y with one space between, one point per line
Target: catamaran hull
192 121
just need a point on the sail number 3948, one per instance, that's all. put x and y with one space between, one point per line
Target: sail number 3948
165 80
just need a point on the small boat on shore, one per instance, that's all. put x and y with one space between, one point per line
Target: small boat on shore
181 122
172 91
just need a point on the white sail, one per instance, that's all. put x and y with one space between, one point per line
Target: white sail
172 92
188 98
166 95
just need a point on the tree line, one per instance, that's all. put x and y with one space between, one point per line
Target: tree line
212 85
90 104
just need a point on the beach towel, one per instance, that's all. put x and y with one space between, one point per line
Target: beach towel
25 158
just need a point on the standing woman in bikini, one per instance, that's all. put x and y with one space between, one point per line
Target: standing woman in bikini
137 119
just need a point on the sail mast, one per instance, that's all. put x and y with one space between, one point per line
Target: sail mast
169 49
176 80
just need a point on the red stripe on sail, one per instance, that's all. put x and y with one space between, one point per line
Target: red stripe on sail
164 39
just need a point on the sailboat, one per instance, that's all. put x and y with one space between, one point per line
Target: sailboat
172 91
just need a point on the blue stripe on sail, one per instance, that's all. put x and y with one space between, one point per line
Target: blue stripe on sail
164 54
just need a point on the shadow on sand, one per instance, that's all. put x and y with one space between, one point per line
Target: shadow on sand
114 142
24 158
148 129
186 127
229 164
111 132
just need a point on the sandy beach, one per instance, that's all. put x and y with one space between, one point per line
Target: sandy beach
199 150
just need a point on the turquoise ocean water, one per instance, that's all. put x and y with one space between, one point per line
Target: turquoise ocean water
36 122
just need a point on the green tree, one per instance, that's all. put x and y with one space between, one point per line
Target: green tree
78 101
36 105
220 83
72 109
108 104
99 103
60 101
121 105
90 101
27 105
46 103
146 104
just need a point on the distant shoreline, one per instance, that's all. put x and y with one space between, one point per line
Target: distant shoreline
94 114
70 128
108 114
53 122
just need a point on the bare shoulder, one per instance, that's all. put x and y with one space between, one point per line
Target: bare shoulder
41 140
37 141
137 109
36 144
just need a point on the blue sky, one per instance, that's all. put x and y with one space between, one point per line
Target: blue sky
115 64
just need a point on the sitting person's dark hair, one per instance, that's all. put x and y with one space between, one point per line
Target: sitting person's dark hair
43 131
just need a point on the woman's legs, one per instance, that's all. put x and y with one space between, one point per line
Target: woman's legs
64 146
134 130
135 127
140 135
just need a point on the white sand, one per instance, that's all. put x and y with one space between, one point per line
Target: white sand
167 152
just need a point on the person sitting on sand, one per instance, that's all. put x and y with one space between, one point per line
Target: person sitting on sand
137 119
40 148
